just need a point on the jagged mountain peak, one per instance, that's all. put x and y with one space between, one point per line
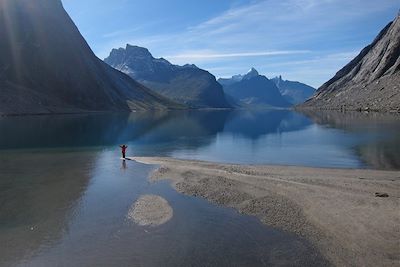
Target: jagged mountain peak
252 71
253 90
251 74
238 77
186 84
124 58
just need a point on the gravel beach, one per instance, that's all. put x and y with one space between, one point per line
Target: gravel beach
338 210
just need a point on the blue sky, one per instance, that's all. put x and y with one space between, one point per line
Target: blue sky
304 40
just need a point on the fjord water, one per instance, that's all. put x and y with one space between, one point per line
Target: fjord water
65 194
282 137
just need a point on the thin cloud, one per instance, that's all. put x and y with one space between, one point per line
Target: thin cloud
334 57
234 55
291 35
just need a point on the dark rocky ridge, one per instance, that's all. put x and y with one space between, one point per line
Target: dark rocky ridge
47 67
371 81
294 92
253 90
186 84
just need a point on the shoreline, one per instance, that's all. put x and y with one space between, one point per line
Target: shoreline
298 109
335 209
301 109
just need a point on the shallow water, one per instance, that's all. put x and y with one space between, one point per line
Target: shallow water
65 195
72 211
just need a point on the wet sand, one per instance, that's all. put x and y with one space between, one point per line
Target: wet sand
336 209
150 210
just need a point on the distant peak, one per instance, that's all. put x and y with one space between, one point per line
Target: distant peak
251 73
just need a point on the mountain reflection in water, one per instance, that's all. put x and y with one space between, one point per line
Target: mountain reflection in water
382 149
321 139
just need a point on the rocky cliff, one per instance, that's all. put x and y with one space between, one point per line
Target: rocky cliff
186 84
371 81
47 67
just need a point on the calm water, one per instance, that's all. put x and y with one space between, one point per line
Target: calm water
351 140
64 193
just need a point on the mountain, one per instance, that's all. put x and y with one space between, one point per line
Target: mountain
371 81
253 90
47 67
187 84
294 92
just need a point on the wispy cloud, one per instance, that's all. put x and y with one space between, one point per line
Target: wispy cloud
324 59
212 55
293 35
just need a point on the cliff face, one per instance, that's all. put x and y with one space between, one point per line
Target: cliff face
47 67
186 84
371 81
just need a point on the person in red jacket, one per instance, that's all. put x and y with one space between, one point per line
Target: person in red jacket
123 150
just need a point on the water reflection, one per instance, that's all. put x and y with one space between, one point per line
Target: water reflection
96 231
186 129
381 148
255 124
73 130
182 130
108 129
61 179
124 165
324 139
38 194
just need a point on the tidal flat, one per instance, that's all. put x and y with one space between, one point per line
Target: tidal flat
338 210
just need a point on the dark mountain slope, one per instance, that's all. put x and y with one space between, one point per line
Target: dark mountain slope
47 67
187 84
371 81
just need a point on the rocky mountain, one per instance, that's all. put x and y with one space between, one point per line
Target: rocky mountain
294 92
46 66
371 81
253 90
186 84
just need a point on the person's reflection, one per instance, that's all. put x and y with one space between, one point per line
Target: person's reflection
123 165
